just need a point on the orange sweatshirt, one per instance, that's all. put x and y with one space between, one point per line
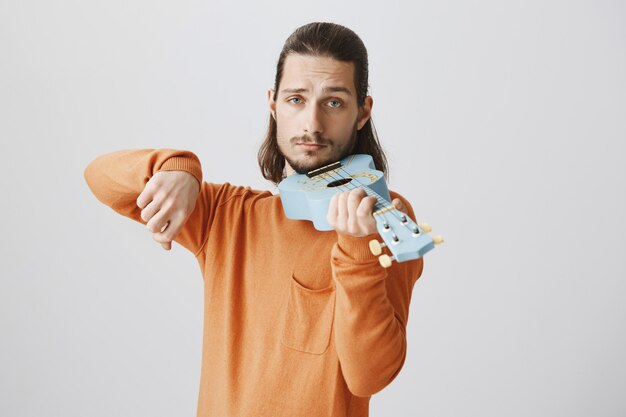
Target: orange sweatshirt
297 322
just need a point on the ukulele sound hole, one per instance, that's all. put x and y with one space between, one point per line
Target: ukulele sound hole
339 183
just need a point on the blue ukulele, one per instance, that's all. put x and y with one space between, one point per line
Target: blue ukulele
307 197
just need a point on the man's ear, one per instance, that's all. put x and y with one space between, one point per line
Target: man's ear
271 102
365 111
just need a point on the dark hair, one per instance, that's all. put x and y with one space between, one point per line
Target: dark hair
340 43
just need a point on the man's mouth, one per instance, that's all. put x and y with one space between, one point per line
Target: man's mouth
311 146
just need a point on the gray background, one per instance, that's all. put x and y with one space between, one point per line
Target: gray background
505 127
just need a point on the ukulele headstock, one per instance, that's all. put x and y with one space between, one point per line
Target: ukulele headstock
404 238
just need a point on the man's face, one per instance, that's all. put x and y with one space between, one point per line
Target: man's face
316 111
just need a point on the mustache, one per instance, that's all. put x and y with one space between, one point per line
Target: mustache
310 139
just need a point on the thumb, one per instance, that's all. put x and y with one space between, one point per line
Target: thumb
167 245
397 203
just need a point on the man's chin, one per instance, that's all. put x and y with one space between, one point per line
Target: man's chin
304 169
310 164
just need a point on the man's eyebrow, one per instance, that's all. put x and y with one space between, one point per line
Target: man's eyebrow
337 90
293 90
325 90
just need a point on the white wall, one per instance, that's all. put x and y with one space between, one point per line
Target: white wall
505 123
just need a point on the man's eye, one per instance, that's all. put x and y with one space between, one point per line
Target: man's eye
295 100
334 103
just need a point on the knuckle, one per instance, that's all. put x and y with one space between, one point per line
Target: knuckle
171 231
181 217
151 226
145 215
159 196
161 238
148 189
167 205
156 178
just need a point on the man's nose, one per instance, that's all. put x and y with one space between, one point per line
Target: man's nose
313 120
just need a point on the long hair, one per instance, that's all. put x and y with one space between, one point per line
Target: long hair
340 43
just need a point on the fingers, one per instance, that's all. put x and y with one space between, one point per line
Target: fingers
166 202
350 212
365 209
166 243
158 224
164 230
155 216
397 203
342 208
333 211
364 215
149 210
357 210
162 238
146 196
158 221
353 199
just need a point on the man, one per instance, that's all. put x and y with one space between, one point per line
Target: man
297 322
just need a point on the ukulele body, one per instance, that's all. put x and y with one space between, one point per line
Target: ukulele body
308 198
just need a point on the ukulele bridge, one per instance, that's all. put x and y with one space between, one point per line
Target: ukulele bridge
323 169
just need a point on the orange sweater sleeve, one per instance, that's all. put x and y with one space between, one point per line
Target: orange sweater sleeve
372 306
117 179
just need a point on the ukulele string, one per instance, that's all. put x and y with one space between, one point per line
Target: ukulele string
381 202
402 218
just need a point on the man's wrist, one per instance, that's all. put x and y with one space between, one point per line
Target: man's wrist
183 163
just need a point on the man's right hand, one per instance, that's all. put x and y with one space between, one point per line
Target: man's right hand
166 202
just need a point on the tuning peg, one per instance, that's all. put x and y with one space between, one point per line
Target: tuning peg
376 247
438 240
385 260
425 227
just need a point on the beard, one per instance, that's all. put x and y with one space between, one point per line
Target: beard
337 152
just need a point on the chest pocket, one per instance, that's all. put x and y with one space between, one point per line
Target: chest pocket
308 318
310 306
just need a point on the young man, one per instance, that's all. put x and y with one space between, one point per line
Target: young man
297 322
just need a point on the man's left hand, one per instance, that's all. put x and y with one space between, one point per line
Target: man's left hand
350 212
